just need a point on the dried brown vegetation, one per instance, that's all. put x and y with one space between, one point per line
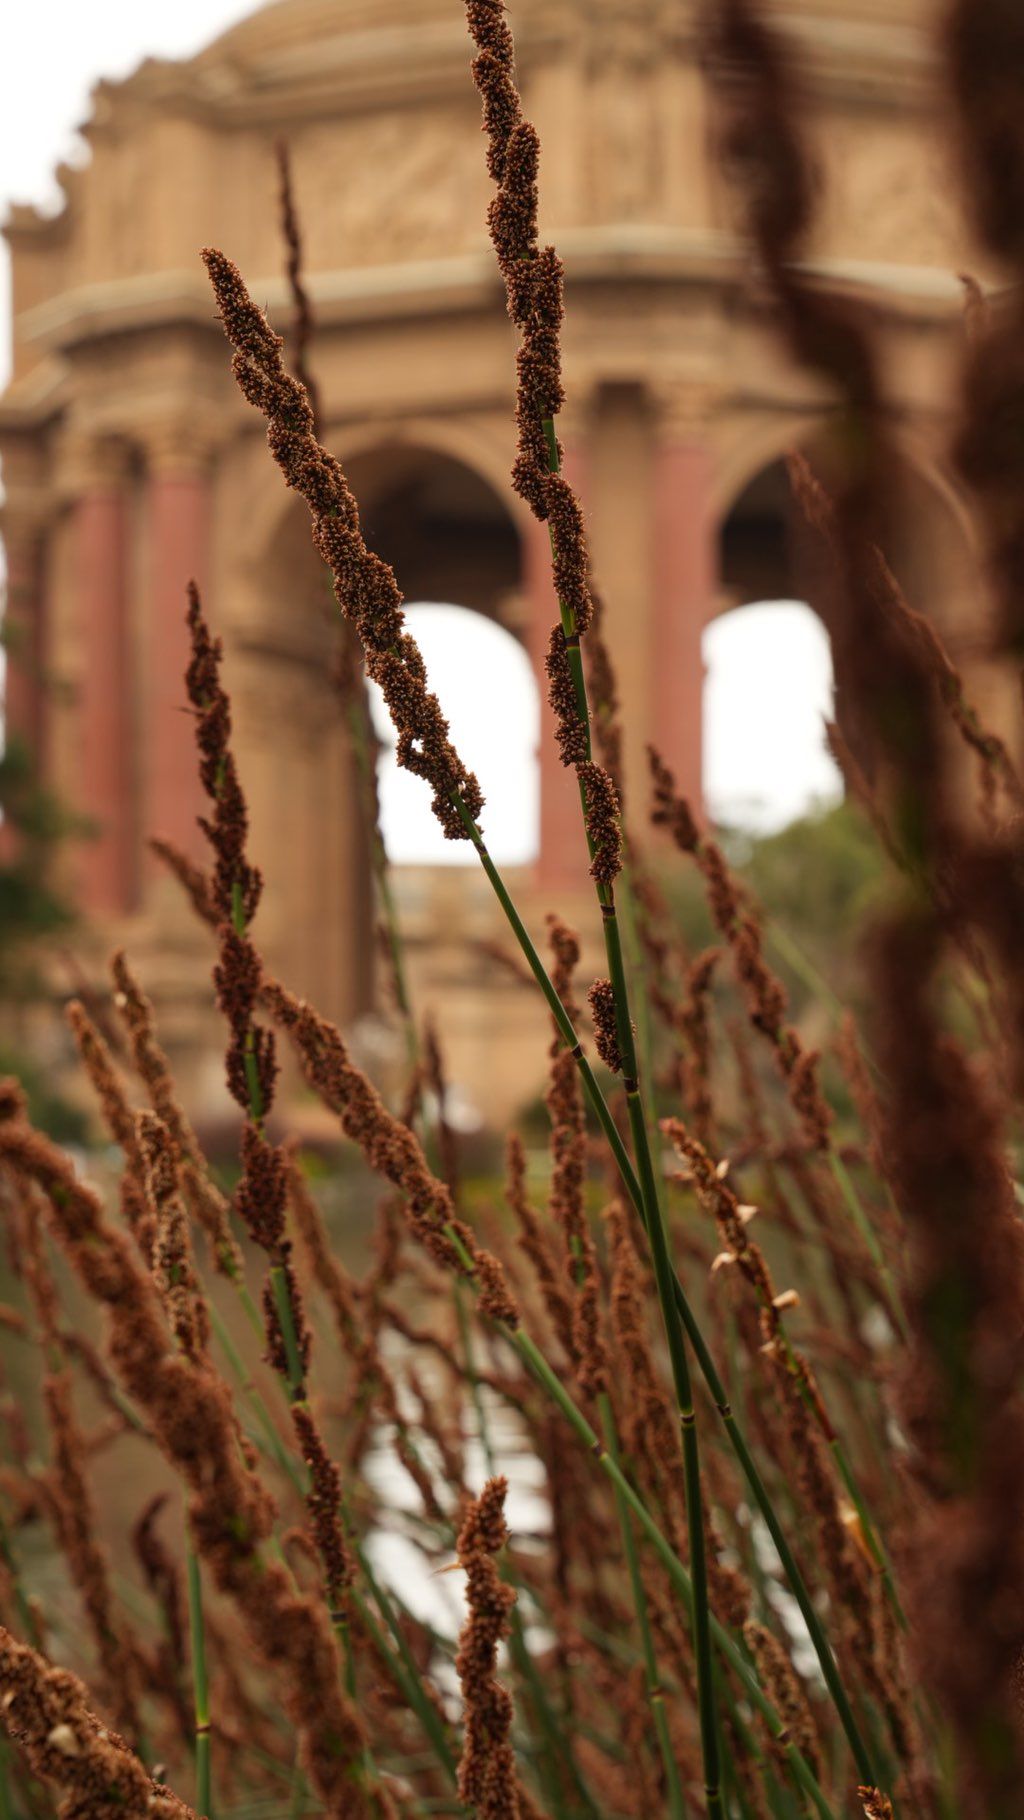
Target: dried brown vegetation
819 1608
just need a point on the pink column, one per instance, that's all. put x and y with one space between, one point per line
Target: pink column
562 862
685 582
177 548
107 869
24 637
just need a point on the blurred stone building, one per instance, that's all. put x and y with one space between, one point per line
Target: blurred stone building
130 462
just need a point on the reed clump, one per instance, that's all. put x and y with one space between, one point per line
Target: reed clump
702 1435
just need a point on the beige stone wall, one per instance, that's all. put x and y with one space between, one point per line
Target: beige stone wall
121 378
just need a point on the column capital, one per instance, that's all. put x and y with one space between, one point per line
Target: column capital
180 446
89 460
685 408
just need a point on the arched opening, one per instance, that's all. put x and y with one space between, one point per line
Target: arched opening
767 697
486 685
455 551
457 556
768 686
768 670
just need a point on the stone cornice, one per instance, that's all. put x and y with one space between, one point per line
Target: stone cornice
601 255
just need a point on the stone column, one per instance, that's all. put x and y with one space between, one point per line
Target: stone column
562 861
685 580
24 631
178 463
107 864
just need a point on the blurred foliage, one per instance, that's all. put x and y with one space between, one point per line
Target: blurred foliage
815 882
34 826
65 1123
32 910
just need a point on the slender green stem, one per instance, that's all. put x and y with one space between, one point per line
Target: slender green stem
655 1692
200 1688
558 1751
730 1651
734 1656
871 1536
706 1363
868 1234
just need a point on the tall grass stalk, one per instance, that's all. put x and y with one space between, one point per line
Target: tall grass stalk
200 1687
719 1396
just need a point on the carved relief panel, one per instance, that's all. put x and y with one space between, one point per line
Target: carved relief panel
408 185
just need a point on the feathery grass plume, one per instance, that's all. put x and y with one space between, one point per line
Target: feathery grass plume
785 1690
45 1711
291 233
564 1102
195 883
251 1062
345 666
876 1805
204 1199
70 1493
173 1265
533 277
731 1218
366 589
373 1388
231 1514
390 1148
487 1768
961 1400
648 1428
99 1066
737 920
997 772
694 1022
606 708
649 1431
163 1577
805 1405
262 1193
943 1138
601 999
534 1244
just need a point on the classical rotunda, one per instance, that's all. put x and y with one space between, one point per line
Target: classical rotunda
130 462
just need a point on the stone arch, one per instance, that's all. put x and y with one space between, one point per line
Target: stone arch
764 546
767 553
452 540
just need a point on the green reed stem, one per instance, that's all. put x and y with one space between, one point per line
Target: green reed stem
200 1687
655 1692
733 1655
874 1541
730 1651
734 1432
402 1664
558 1752
273 1444
404 1669
867 1232
361 736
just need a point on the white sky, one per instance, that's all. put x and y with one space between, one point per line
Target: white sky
767 695
769 678
54 51
495 728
